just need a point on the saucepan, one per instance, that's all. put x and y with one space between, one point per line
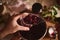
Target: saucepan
37 27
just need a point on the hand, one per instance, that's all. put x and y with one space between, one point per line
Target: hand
12 26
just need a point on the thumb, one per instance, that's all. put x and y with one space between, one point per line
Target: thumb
23 28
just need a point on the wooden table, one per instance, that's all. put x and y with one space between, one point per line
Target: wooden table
47 36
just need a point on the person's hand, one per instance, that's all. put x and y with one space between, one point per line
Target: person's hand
12 25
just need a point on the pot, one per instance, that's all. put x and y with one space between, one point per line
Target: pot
37 31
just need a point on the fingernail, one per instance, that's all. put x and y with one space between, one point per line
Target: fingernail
27 28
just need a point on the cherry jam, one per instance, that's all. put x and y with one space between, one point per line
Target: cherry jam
36 31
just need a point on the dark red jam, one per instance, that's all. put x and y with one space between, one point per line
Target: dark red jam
36 31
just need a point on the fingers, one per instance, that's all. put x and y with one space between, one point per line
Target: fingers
19 27
24 15
17 17
21 16
22 28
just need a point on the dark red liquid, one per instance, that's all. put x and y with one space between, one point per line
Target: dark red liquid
37 30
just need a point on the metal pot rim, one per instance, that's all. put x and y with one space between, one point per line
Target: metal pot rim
43 35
